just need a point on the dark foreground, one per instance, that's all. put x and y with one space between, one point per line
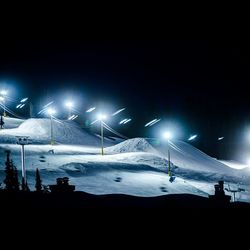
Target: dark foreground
66 211
82 200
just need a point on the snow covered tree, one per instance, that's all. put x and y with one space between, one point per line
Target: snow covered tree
11 179
38 181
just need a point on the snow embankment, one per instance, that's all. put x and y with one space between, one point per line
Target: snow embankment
12 122
64 132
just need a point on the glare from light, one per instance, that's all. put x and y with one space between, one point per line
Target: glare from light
2 99
3 92
118 111
128 120
152 123
167 135
69 104
24 99
51 111
95 121
48 104
147 124
18 106
192 137
91 109
73 117
220 138
122 121
102 117
22 105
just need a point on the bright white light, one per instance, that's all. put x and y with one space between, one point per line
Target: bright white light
1 98
22 105
167 135
51 111
73 117
3 92
24 99
146 125
220 138
118 111
192 137
18 106
128 120
122 121
151 123
69 104
90 110
93 122
101 117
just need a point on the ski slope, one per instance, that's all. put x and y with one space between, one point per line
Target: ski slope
64 132
136 166
12 122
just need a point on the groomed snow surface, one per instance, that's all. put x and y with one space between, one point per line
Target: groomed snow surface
136 166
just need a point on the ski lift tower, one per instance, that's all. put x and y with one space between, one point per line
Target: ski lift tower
22 141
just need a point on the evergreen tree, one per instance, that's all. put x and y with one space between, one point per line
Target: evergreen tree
25 186
11 178
38 181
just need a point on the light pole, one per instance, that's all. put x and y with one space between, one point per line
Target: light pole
3 94
51 112
22 141
102 117
167 135
69 105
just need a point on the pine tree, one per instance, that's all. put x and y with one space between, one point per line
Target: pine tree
38 181
11 178
25 186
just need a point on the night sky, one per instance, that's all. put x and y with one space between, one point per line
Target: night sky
199 84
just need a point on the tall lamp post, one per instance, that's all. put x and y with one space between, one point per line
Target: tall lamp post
51 112
69 105
101 118
22 141
167 135
3 94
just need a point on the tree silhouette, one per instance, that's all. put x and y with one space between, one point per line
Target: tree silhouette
38 181
25 186
11 179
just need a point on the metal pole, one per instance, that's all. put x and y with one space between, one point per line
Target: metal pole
102 137
51 130
4 109
69 113
169 166
23 164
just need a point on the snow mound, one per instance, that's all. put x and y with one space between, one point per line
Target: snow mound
12 122
39 131
182 154
132 145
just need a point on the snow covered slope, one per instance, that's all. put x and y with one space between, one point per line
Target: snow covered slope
137 166
12 122
182 154
39 131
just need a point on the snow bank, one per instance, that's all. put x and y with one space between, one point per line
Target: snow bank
182 154
39 131
132 145
12 122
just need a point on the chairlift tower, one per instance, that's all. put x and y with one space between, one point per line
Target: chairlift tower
22 141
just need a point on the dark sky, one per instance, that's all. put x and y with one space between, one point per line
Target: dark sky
201 83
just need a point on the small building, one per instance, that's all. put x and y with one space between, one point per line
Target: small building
62 186
219 194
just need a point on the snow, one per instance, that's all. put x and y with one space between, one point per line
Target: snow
39 131
234 164
136 166
12 122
